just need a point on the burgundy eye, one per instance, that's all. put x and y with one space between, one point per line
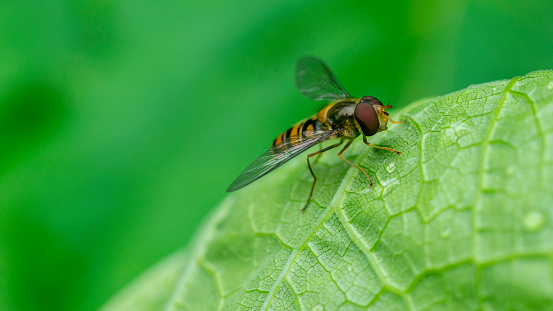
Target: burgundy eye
367 118
371 100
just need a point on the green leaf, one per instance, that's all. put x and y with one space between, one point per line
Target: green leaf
462 220
153 289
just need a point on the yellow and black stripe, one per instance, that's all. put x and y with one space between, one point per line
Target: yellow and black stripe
298 132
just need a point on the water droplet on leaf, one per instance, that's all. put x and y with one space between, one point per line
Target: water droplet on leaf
533 221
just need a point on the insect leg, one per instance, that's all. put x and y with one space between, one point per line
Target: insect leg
396 122
319 155
362 170
378 147
313 173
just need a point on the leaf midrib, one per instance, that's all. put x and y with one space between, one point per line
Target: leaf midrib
292 258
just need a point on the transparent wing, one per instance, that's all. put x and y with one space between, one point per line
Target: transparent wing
315 81
275 157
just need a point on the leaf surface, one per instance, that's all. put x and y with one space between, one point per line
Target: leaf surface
462 220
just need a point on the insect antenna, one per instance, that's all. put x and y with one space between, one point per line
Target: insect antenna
390 107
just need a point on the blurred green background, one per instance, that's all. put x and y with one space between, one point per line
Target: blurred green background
123 122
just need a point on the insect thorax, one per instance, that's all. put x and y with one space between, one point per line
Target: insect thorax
340 116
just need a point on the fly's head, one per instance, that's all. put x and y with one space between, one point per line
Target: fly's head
371 115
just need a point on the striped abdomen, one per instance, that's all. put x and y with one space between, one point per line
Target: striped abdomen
299 132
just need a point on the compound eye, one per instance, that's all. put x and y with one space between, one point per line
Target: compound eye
365 114
370 100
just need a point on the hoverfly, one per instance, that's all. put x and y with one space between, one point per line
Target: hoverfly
344 118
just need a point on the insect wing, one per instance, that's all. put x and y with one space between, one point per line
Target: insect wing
275 157
315 80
